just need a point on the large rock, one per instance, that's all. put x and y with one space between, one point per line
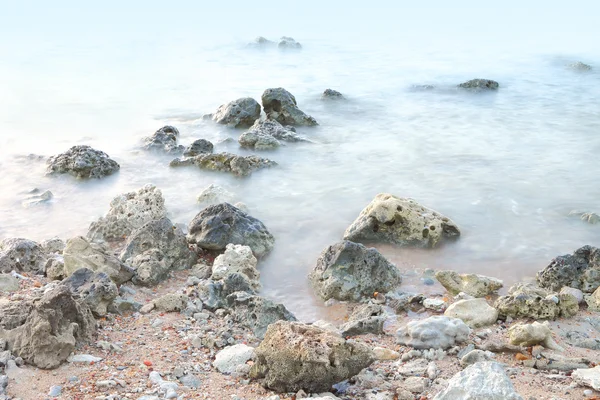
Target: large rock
392 219
21 255
480 84
532 335
55 324
95 289
226 162
200 146
472 284
476 313
480 381
280 105
580 270
82 162
351 271
216 226
237 259
589 377
238 113
230 358
256 312
525 300
80 253
267 134
165 140
438 332
128 212
149 268
294 356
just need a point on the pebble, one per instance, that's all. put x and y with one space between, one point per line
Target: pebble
588 392
157 322
55 391
84 359
190 380
146 308
104 385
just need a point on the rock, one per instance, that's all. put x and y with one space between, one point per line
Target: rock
365 319
128 212
267 134
529 301
9 283
257 313
532 335
22 255
55 391
576 293
438 332
217 226
237 259
416 384
280 105
287 42
54 326
201 271
482 380
401 301
171 302
55 268
82 162
580 339
589 377
475 313
589 217
164 139
146 308
226 162
391 219
435 304
238 113
295 356
53 246
236 282
228 359
330 94
351 271
475 356
84 359
37 199
580 270
383 354
199 146
593 300
123 306
96 290
190 381
214 194
80 253
579 66
262 41
150 268
472 284
480 84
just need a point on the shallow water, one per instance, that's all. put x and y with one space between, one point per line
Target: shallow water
507 167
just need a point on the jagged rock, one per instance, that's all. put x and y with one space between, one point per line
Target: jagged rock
164 139
237 259
482 380
53 246
8 283
257 313
589 377
262 41
13 314
55 324
580 270
351 271
593 300
199 146
330 94
211 294
228 359
96 290
532 335
150 268
529 301
219 225
294 356
215 194
267 134
128 212
82 162
476 313
392 219
280 105
80 253
238 113
576 293
237 282
171 302
226 162
579 66
22 255
433 333
435 304
287 42
401 301
475 356
480 84
368 318
472 284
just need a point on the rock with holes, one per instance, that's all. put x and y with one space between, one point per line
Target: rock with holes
21 255
164 140
280 105
268 134
438 332
128 212
256 312
351 271
295 356
525 300
150 267
237 259
226 162
95 289
580 270
480 84
238 113
392 219
200 146
471 284
476 313
82 162
171 302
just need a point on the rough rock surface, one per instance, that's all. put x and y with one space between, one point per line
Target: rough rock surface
38 199
475 356
149 268
580 270
368 318
287 42
588 377
330 94
228 359
529 301
237 259
480 84
532 335
280 105
53 246
218 225
128 212
294 356
392 219
82 162
593 300
215 194
164 139
476 313
256 312
96 290
267 134
8 283
21 255
438 332
351 271
238 113
480 381
471 284
199 146
171 302
226 162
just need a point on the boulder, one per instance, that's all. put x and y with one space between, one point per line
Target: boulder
438 332
128 212
150 268
172 302
237 282
330 94
262 41
219 225
589 377
228 359
351 271
392 219
237 259
8 283
368 318
95 289
267 134
215 194
13 314
200 146
22 255
80 253
256 312
580 270
480 381
164 140
53 246
226 162
287 42
280 105
532 335
525 300
476 313
294 356
82 162
471 284
238 113
479 84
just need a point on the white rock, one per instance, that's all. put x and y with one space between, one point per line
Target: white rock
215 194
438 332
476 313
475 356
155 377
589 377
435 304
228 359
578 294
531 335
237 259
83 359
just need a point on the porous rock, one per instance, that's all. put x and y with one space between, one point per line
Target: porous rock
525 300
580 270
437 332
237 259
21 255
226 162
200 146
267 134
368 318
256 312
171 302
476 313
82 162
480 84
95 289
472 284
280 105
164 139
238 113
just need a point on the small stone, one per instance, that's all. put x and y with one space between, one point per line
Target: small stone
435 304
190 380
55 391
146 308
84 359
384 354
227 360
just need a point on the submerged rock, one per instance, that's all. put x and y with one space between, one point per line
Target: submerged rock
82 162
330 94
438 332
267 134
580 270
525 300
164 139
95 289
200 146
589 217
351 271
238 113
262 41
257 313
476 313
215 194
579 66
392 219
294 356
226 162
21 255
480 84
532 335
287 42
37 199
280 105
471 284
237 259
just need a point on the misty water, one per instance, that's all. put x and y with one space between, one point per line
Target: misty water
506 166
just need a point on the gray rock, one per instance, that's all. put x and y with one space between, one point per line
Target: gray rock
267 134
480 84
150 268
82 162
210 293
171 302
164 140
96 290
190 380
124 306
8 283
13 314
401 301
201 271
330 94
580 270
581 339
3 384
238 113
55 268
280 105
55 245
525 300
351 271
476 313
226 162
228 359
199 146
392 219
218 225
287 42
55 391
22 255
236 282
579 66
475 356
438 332
215 194
472 284
588 377
576 293
368 318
